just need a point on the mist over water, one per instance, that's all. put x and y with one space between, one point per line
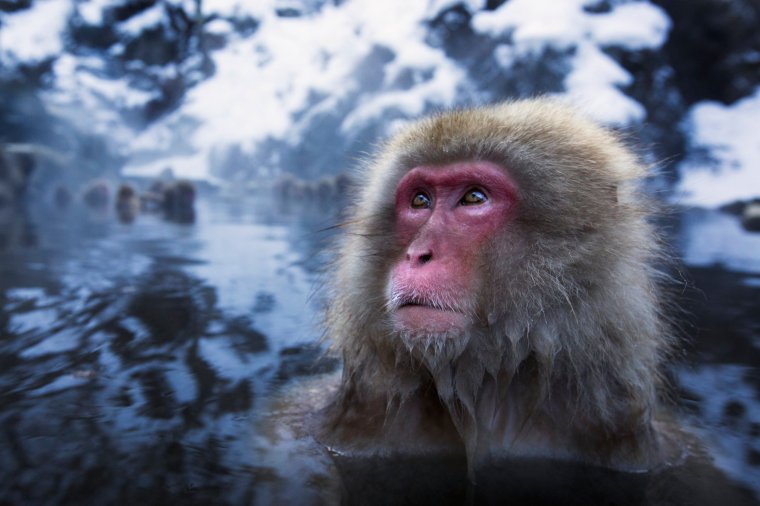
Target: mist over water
135 355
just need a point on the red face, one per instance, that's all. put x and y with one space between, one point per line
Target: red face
444 214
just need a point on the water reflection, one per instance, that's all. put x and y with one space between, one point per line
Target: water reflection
720 376
135 357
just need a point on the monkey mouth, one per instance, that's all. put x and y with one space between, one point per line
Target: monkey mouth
403 301
420 303
427 316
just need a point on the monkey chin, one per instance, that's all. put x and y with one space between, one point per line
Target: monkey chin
434 336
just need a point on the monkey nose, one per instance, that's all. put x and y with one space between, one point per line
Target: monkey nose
419 257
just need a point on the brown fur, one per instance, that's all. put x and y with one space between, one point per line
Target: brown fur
563 358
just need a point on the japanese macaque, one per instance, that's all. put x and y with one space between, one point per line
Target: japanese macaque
495 294
127 203
179 201
17 162
96 195
289 187
153 199
7 198
325 191
62 197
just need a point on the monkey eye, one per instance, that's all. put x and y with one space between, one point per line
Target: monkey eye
473 197
421 201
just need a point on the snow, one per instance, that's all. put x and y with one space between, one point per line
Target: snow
593 85
92 11
633 25
34 34
436 6
540 23
92 101
239 8
595 80
534 24
730 133
104 93
219 27
711 238
261 82
266 80
148 18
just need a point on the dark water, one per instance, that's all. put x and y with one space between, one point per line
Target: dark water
135 358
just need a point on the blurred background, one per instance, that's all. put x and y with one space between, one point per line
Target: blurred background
170 171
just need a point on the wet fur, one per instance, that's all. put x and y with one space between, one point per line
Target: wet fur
564 354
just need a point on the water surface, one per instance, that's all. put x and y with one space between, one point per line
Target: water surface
135 358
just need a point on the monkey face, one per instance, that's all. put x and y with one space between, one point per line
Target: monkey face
443 216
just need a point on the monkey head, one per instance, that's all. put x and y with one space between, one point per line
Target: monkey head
502 257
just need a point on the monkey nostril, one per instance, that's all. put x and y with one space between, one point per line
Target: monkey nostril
418 257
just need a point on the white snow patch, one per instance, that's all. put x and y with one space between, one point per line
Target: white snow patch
595 80
541 23
436 6
239 8
34 34
91 101
639 25
148 18
534 24
218 27
261 82
593 85
92 11
730 133
710 238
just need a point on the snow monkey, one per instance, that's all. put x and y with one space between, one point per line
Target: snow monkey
495 294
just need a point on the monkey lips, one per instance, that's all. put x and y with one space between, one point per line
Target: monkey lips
418 313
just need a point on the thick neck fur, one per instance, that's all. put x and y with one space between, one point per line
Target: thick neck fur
462 404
